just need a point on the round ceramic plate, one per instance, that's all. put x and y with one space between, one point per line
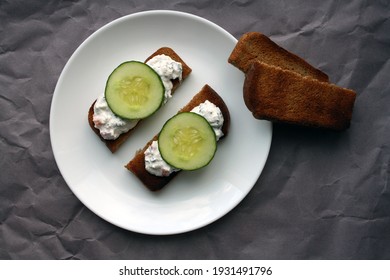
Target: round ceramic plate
98 178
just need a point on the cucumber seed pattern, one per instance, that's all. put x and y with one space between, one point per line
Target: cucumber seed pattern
187 141
134 91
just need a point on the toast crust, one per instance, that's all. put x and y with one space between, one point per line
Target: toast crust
254 46
137 164
113 145
276 94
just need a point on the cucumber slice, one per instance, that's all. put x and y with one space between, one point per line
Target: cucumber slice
187 141
134 90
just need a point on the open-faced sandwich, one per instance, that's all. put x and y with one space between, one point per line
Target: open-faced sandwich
134 91
187 141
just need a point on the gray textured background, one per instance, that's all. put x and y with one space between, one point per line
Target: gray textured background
322 195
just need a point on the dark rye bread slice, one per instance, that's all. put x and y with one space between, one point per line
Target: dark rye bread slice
275 94
114 145
254 46
137 164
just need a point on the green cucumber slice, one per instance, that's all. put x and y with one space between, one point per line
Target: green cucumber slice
134 90
187 141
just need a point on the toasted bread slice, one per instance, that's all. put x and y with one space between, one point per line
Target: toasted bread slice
137 164
275 94
256 46
114 145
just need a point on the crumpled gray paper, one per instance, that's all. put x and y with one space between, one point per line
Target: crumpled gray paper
322 195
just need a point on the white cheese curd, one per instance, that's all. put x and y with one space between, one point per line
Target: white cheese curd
155 164
110 125
168 70
212 114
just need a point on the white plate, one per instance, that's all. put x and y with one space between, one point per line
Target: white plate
99 179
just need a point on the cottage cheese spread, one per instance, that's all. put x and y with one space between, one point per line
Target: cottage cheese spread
168 70
212 114
110 125
155 164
